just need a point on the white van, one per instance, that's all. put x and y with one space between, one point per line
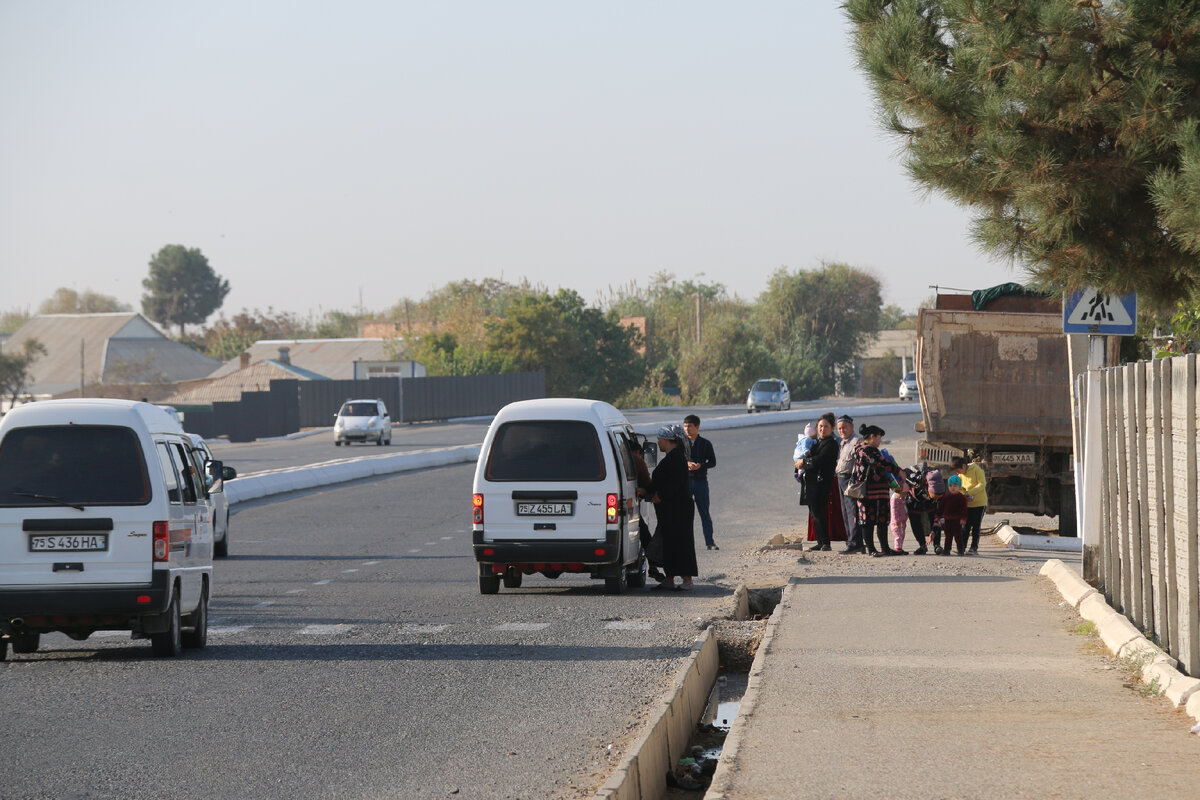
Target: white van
554 492
105 524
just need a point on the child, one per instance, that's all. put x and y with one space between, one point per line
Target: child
952 510
804 445
899 517
936 488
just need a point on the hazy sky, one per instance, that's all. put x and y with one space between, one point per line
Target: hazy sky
313 151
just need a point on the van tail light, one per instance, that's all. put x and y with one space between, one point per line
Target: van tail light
477 509
611 508
162 541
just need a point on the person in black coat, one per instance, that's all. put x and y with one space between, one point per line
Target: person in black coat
819 479
674 509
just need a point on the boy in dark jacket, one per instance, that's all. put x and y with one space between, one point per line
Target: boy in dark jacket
952 510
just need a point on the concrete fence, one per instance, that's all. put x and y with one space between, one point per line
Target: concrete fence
1140 499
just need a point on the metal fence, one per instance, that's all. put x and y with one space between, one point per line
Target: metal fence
1140 498
291 405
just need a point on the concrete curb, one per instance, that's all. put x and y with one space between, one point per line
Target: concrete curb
1124 640
641 775
722 778
1024 541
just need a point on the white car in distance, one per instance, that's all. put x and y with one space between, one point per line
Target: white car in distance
362 421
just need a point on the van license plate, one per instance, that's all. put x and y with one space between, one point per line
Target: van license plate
545 509
69 543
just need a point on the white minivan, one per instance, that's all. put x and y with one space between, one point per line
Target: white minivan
554 492
105 524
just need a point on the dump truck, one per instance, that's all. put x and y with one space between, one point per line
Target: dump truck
994 378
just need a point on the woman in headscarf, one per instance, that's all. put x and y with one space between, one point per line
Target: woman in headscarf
874 509
819 480
674 509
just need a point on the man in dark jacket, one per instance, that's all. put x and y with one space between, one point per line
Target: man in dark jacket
702 459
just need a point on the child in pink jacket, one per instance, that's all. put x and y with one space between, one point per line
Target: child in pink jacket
899 518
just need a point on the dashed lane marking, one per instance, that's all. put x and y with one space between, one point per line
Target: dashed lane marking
370 563
629 625
522 626
349 570
264 604
225 630
324 582
296 591
414 550
331 629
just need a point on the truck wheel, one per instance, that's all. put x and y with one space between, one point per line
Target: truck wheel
512 579
169 642
26 642
197 637
489 584
1067 524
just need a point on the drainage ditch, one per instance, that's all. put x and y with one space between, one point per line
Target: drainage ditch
737 644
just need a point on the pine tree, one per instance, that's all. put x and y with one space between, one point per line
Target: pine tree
1069 126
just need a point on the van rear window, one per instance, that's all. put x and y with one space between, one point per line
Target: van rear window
549 451
94 465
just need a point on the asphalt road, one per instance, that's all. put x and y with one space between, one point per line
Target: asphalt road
351 655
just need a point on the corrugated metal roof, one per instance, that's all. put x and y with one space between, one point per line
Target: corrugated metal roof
65 335
331 358
229 388
154 360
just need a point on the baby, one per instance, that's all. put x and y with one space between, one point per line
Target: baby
804 445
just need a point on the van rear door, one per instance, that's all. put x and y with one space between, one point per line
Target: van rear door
72 501
546 480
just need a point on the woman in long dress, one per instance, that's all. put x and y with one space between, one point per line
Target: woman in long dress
674 510
819 480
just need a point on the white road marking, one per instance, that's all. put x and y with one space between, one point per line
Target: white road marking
412 627
224 630
264 604
370 563
430 544
296 591
629 625
415 550
332 629
322 583
447 538
349 570
522 626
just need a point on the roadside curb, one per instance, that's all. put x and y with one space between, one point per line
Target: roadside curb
1124 640
722 778
1025 541
641 775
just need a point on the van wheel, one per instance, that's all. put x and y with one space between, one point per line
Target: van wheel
489 584
197 637
26 642
637 580
170 641
512 579
617 584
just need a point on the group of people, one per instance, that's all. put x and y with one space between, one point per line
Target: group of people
857 493
678 487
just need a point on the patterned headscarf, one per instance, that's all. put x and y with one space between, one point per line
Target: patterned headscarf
672 431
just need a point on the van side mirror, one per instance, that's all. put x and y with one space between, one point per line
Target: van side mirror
650 453
228 473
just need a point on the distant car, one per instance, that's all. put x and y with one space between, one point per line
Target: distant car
768 394
362 421
908 387
219 503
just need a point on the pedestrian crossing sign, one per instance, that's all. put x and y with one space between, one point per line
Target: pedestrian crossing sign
1094 311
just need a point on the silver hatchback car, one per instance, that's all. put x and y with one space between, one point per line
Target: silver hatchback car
768 394
362 421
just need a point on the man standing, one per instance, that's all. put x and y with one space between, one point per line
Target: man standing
702 459
845 465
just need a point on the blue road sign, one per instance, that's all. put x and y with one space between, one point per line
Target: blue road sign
1093 311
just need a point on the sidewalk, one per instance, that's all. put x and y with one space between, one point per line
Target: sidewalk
928 677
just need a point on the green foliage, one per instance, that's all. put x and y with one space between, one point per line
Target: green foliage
443 355
182 288
1069 126
817 322
13 319
336 325
721 368
69 301
227 338
15 369
649 395
583 352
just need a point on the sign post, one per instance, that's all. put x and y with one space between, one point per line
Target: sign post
1099 315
